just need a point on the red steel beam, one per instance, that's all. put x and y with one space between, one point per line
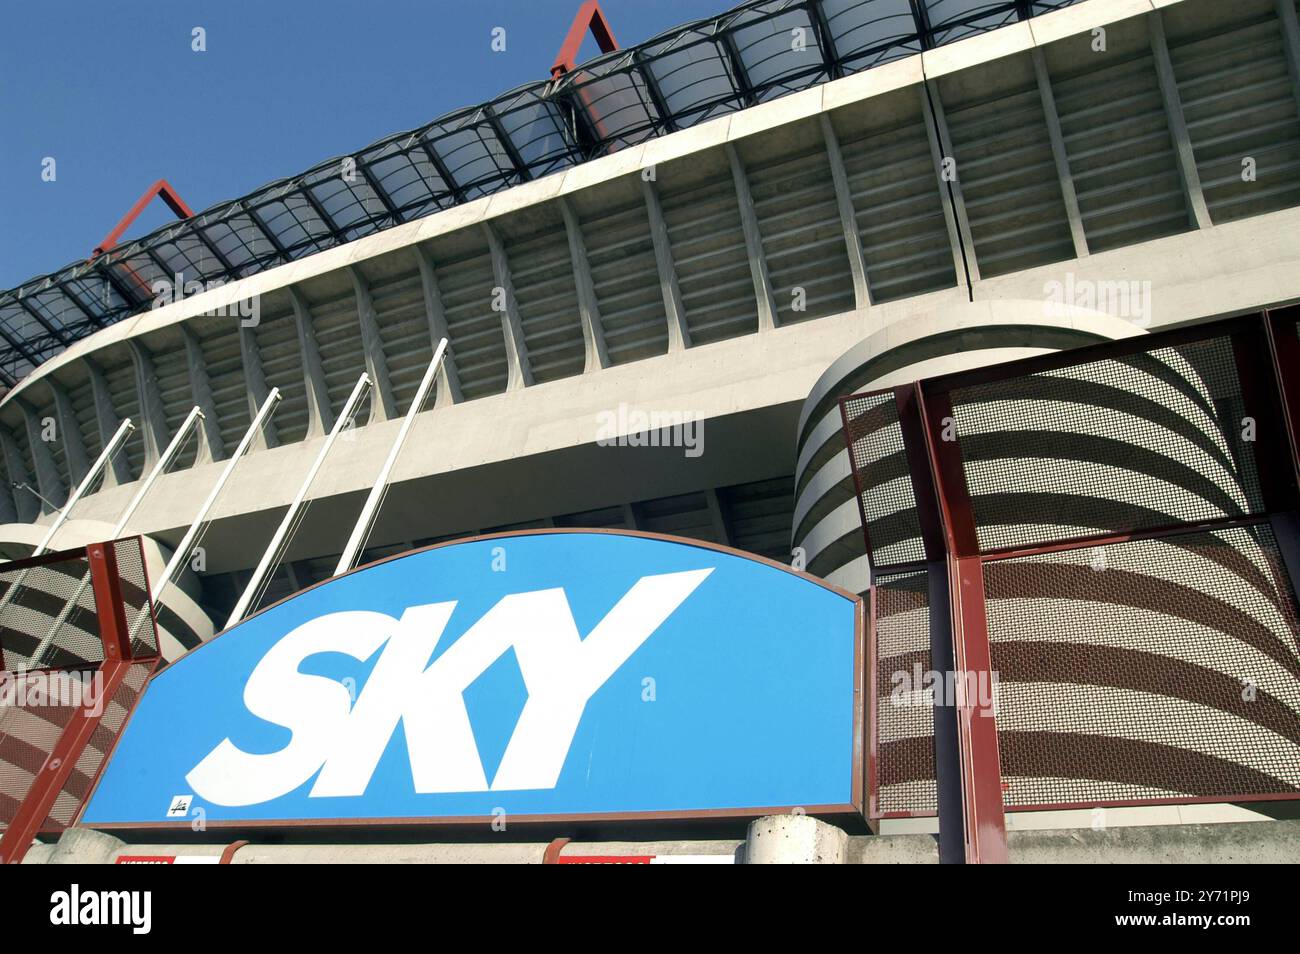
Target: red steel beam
981 767
589 15
162 188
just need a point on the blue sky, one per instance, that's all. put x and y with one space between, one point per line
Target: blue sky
113 92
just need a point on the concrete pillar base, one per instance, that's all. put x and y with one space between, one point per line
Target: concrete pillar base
84 846
794 840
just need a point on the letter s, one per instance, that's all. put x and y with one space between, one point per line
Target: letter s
313 708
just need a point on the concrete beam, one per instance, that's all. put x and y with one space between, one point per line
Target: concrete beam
679 335
320 416
954 205
153 422
48 480
25 503
74 448
629 517
848 215
107 422
448 389
384 408
715 515
753 242
1286 15
520 372
593 332
1187 171
211 446
8 511
1062 158
255 379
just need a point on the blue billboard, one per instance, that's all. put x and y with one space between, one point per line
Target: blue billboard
538 675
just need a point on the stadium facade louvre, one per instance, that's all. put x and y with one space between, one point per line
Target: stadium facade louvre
747 264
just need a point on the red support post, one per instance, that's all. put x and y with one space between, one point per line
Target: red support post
981 767
104 580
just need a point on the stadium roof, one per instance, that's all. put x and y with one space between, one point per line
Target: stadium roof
684 76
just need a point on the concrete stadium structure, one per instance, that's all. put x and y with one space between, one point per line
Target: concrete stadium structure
907 220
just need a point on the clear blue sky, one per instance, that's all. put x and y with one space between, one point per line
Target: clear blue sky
112 90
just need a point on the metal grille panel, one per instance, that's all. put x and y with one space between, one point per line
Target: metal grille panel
1139 442
1154 668
903 720
49 611
884 486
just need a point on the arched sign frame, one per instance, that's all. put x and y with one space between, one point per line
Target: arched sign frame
851 812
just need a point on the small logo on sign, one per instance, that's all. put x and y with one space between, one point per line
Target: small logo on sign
180 806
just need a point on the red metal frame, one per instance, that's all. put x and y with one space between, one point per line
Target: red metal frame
51 779
163 189
589 16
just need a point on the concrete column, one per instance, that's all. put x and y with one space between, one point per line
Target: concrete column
381 396
1286 16
848 215
255 379
1191 178
629 516
715 514
679 335
320 416
954 205
794 840
8 509
211 446
448 391
593 332
118 470
753 242
152 423
74 448
520 372
48 481
1059 154
26 507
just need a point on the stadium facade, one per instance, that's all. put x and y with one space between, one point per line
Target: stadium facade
653 313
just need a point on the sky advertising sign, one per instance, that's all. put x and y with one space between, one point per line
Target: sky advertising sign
528 676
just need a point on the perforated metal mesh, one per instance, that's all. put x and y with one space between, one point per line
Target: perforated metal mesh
48 611
879 461
28 733
134 582
52 674
904 717
1153 668
115 711
1146 441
